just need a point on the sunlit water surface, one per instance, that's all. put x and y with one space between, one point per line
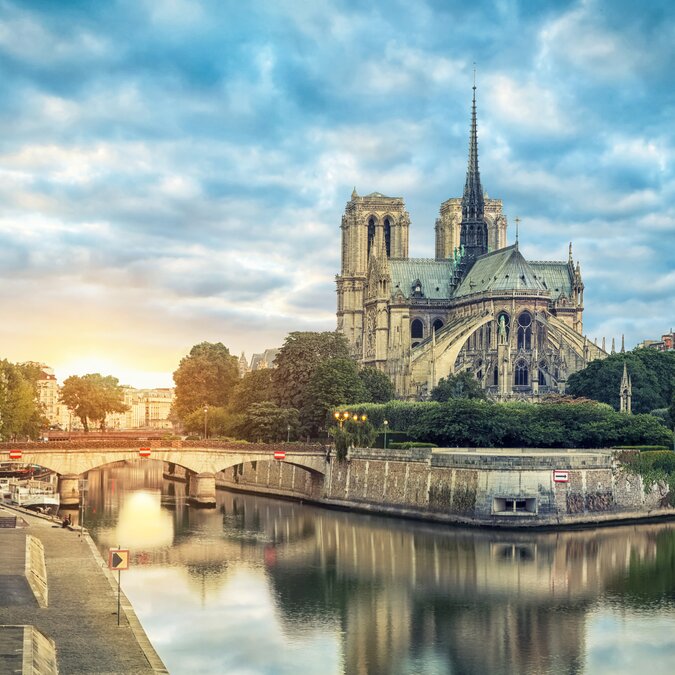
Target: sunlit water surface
260 585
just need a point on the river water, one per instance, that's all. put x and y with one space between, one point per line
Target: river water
260 585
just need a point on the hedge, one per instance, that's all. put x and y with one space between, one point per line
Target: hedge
475 423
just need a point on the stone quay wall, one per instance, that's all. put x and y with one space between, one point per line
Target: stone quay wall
508 487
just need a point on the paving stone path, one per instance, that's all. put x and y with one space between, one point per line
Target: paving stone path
82 613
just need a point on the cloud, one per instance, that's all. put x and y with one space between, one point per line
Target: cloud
182 169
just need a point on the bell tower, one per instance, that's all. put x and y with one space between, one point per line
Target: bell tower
371 225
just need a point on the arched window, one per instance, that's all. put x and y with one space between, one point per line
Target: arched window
416 329
522 374
525 331
371 234
387 236
438 324
495 376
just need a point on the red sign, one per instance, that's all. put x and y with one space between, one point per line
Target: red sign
15 454
144 452
561 476
280 454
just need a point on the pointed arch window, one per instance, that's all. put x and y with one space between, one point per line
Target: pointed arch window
371 234
438 324
416 329
525 331
522 374
495 376
387 236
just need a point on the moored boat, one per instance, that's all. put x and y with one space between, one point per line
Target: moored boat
34 494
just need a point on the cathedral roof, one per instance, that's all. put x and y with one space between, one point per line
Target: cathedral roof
554 275
434 277
502 270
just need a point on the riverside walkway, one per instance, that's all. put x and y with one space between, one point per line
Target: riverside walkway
81 614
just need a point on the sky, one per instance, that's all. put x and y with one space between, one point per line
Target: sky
175 172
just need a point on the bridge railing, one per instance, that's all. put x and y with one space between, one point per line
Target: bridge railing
108 444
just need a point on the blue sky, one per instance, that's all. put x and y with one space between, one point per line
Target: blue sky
174 171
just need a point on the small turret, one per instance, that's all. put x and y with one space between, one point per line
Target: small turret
625 392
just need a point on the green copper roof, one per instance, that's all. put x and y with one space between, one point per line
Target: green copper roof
555 276
434 276
503 270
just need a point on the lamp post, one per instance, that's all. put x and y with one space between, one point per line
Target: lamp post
288 433
206 419
386 424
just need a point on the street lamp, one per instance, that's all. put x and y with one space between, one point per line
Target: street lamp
386 424
206 419
342 417
288 433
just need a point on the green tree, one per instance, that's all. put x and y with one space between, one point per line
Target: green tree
219 422
652 376
334 382
268 422
207 375
298 358
462 385
91 397
254 387
20 414
377 385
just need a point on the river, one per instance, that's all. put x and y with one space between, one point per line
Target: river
259 585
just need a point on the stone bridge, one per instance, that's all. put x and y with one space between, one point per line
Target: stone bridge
202 460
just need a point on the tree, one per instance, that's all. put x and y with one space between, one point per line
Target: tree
334 382
206 375
298 358
462 385
652 376
268 422
92 397
254 387
377 385
219 422
20 414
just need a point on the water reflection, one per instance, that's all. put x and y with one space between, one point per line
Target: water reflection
267 586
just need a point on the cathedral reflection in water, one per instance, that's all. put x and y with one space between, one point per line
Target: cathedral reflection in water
404 596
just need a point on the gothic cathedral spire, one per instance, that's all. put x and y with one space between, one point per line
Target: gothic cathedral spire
473 229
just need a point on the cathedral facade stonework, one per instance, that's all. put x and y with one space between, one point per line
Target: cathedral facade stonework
479 306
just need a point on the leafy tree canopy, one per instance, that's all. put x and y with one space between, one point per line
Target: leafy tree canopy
20 414
206 375
298 358
652 376
268 422
377 385
219 422
334 382
92 397
462 385
255 387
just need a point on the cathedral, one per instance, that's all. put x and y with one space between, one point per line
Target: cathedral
478 306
